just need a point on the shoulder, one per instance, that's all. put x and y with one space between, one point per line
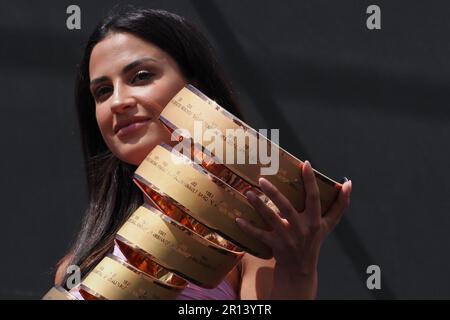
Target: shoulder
61 268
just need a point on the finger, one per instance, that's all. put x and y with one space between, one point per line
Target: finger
281 202
334 214
312 194
262 235
270 216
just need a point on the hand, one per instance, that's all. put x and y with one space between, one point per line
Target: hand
296 237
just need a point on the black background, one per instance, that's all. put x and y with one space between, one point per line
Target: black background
369 105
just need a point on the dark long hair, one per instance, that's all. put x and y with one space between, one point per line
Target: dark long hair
111 193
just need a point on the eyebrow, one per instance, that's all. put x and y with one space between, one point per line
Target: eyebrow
125 69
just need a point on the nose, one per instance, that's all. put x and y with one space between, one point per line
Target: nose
122 100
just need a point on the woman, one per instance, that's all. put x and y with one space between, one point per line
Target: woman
134 63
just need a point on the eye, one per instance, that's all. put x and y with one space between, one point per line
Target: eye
142 76
101 92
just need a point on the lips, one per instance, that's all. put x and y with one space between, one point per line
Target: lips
130 125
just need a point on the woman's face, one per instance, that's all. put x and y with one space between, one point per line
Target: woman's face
131 81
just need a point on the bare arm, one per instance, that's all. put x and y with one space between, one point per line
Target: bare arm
256 276
62 268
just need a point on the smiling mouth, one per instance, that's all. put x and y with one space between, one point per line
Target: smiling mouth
132 127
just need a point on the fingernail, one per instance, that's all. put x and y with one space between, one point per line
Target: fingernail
240 221
250 195
344 180
307 163
266 183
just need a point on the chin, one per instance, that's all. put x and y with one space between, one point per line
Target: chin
135 154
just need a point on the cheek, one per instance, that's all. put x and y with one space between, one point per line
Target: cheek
164 91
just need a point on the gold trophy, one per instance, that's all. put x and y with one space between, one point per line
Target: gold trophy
195 190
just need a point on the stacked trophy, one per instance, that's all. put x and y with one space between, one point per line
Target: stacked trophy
194 190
